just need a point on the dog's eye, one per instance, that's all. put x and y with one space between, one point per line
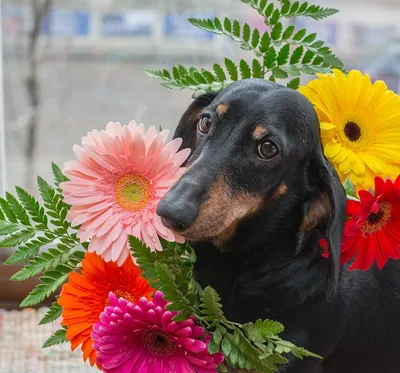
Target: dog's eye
267 150
204 124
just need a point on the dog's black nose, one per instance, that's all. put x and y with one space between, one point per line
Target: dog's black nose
175 214
179 207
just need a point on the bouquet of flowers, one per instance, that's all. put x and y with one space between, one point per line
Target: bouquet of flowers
128 297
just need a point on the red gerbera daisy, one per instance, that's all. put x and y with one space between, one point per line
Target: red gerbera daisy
372 232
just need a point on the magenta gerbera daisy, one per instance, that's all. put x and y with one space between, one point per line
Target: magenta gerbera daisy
115 186
143 338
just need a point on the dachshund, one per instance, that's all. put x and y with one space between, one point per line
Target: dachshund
257 197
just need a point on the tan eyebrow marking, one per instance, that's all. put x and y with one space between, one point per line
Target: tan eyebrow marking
259 132
222 109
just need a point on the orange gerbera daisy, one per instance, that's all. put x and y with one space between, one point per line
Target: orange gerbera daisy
85 296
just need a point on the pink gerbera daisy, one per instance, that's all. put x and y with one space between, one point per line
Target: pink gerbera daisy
115 185
143 338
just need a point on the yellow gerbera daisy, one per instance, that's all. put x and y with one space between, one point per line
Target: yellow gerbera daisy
360 125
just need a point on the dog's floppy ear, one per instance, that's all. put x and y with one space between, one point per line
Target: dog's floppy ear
187 126
327 212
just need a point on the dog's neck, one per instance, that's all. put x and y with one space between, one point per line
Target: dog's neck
263 269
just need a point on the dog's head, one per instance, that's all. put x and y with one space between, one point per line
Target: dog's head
252 144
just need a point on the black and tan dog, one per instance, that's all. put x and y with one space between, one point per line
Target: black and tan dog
257 197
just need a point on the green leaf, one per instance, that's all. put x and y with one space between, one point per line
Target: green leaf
50 259
309 38
265 42
294 83
268 11
270 59
218 25
278 73
296 55
9 215
52 314
291 70
299 34
236 30
217 336
17 209
245 69
32 206
285 7
60 336
276 31
156 74
226 346
7 227
210 303
255 39
232 69
17 238
28 250
219 72
288 33
59 177
316 12
213 347
257 70
308 57
276 15
333 60
227 25
283 55
295 7
246 32
50 282
145 259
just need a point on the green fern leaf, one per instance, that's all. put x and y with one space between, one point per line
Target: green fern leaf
299 34
277 31
8 214
283 55
218 26
309 38
294 83
270 58
316 12
236 30
295 7
265 42
145 259
50 259
31 205
255 39
16 238
257 70
285 7
59 177
50 282
245 69
288 33
60 336
276 15
211 304
209 77
246 32
268 11
157 74
278 73
28 250
308 57
219 72
232 69
7 227
18 210
227 25
291 70
52 314
296 55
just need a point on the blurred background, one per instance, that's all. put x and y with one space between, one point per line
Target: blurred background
71 66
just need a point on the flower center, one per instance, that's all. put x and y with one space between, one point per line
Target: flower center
352 131
376 221
158 342
122 293
132 192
